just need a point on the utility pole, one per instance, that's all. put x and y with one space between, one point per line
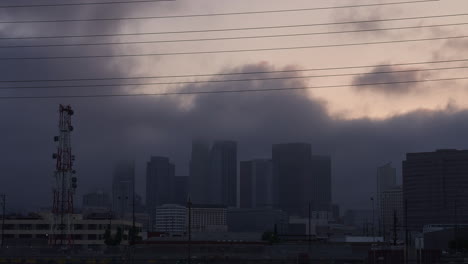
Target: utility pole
189 206
3 200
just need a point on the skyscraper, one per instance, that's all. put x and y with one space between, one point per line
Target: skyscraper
223 173
321 176
97 199
435 187
199 178
256 183
181 190
123 187
300 179
386 180
292 177
392 212
160 176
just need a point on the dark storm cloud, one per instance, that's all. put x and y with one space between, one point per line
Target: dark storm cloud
392 74
107 129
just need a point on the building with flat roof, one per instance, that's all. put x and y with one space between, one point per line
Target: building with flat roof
208 218
87 232
256 183
392 213
123 187
435 187
171 219
160 177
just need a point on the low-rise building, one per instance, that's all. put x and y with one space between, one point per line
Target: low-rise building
208 218
170 218
36 230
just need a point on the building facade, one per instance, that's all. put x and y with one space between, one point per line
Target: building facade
256 183
123 187
257 220
97 199
435 188
321 176
34 230
392 212
386 180
181 185
300 179
223 185
160 176
208 218
170 218
199 178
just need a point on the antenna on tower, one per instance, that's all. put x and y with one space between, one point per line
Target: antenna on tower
65 182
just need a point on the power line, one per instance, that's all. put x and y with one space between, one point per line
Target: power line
215 14
233 73
227 91
223 81
232 29
85 3
225 38
229 51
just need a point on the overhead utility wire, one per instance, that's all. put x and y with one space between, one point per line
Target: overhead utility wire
214 14
223 81
234 29
226 91
234 73
224 38
84 3
226 51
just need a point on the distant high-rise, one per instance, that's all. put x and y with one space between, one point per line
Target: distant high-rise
123 187
223 173
160 176
292 177
300 178
199 178
321 182
97 199
392 212
181 190
435 187
256 183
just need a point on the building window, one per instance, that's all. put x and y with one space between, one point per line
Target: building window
92 227
25 227
25 236
78 227
42 227
92 237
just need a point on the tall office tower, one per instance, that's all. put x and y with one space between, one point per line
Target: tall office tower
97 199
199 178
223 173
256 183
435 187
160 174
181 190
386 180
292 177
392 212
321 177
123 187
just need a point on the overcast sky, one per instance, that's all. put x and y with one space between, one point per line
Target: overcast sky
360 127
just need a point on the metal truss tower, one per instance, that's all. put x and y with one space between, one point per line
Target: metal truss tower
65 182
